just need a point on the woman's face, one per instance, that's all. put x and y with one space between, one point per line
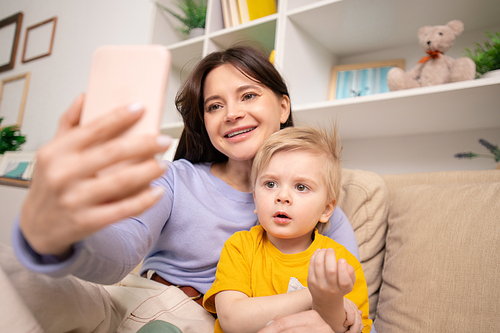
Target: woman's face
240 113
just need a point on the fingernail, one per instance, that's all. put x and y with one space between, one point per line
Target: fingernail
164 140
157 191
135 107
269 323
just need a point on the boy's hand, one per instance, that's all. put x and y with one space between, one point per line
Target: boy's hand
328 282
328 278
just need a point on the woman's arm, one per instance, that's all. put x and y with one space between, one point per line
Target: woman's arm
306 322
239 313
341 231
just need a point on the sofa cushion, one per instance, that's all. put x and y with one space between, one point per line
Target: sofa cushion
363 198
442 260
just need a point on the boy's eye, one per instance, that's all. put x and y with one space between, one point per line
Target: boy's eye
301 187
270 184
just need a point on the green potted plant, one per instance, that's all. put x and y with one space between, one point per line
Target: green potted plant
494 150
10 139
487 56
193 18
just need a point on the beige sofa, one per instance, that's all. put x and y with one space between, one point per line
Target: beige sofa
430 247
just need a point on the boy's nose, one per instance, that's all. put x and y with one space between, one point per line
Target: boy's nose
283 197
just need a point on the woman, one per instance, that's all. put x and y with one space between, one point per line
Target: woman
231 102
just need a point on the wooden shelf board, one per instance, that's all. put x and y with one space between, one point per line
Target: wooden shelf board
360 26
174 130
449 107
14 182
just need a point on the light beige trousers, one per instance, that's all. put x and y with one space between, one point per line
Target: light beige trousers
31 302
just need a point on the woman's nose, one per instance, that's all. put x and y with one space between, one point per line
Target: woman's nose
234 112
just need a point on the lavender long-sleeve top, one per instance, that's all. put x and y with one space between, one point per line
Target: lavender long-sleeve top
181 237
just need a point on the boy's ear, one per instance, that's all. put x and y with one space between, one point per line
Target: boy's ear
329 208
285 109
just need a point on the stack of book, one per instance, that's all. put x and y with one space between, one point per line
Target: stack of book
235 12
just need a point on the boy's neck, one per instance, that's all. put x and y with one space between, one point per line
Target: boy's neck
291 246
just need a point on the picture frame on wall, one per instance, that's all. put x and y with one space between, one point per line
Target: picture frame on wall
13 95
17 165
354 80
39 40
10 30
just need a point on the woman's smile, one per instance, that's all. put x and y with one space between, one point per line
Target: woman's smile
239 132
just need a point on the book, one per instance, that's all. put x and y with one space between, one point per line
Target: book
226 15
233 11
272 56
243 11
260 8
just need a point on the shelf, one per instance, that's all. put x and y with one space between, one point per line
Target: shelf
451 107
358 26
316 35
174 130
262 30
14 182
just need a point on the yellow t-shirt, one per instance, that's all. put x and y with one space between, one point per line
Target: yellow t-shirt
251 264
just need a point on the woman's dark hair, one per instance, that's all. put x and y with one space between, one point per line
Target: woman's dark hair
194 143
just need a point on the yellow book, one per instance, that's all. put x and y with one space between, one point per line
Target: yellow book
260 8
272 56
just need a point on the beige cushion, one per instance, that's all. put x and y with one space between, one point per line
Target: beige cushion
442 261
363 198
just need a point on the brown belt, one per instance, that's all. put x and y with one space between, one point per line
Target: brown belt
192 293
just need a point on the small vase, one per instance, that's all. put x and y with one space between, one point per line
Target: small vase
196 32
492 74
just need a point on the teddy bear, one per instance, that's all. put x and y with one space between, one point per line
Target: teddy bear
436 67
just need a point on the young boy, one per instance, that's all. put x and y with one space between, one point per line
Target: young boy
296 178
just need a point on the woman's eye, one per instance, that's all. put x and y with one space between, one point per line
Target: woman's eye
249 96
270 184
213 107
301 187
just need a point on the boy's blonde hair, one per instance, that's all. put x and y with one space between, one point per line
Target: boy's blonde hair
308 138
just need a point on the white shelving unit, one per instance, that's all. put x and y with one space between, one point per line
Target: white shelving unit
310 37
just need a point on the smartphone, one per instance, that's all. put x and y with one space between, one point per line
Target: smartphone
121 75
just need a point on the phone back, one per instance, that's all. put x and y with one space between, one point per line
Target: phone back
122 75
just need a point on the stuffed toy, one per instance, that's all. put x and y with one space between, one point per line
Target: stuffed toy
436 67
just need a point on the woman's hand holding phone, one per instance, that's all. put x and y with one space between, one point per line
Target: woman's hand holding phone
70 198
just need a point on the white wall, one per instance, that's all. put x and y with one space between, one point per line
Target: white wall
429 153
82 26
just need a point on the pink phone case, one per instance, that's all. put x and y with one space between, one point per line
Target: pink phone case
122 75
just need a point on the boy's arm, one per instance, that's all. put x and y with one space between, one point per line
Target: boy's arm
328 282
239 313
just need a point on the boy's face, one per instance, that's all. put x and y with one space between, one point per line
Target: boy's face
291 197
